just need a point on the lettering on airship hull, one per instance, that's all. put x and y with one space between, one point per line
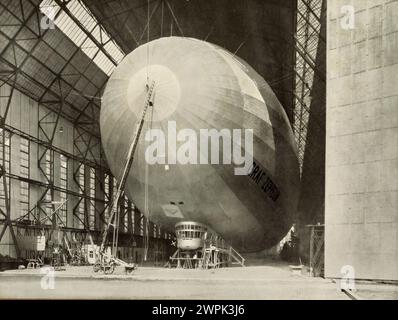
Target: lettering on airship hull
259 176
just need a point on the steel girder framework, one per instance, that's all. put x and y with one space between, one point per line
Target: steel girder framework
19 18
4 179
54 78
307 39
100 44
20 27
317 250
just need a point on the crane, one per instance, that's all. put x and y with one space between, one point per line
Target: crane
107 262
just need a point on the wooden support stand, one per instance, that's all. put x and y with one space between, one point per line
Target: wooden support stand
208 257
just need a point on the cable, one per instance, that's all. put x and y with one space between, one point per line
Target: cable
146 191
161 23
147 46
175 18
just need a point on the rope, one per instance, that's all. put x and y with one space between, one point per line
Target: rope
146 210
146 192
114 231
161 23
175 19
147 46
117 226
240 46
146 203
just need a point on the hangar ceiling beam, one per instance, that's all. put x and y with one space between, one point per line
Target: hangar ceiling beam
20 56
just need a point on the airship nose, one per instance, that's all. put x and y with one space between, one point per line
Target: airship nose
167 90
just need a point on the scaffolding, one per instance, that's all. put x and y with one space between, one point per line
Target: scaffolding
212 254
317 250
307 38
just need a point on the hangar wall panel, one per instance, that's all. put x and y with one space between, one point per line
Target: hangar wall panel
24 115
361 203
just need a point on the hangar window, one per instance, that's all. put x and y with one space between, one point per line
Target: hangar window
77 22
4 161
142 225
48 170
24 173
64 185
91 201
107 197
154 230
80 179
125 213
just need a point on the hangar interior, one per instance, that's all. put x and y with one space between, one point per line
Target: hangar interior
337 86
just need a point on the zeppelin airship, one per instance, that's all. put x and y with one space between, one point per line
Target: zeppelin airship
216 146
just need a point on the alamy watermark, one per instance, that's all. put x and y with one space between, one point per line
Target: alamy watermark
48 280
208 140
47 21
347 22
347 281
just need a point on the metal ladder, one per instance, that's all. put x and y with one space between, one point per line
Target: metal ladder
104 259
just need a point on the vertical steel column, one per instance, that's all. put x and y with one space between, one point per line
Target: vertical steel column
5 221
307 38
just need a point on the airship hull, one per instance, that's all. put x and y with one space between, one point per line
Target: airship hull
202 86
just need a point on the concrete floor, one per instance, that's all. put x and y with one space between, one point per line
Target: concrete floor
263 279
273 281
376 291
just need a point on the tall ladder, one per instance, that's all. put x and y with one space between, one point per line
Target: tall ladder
123 179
